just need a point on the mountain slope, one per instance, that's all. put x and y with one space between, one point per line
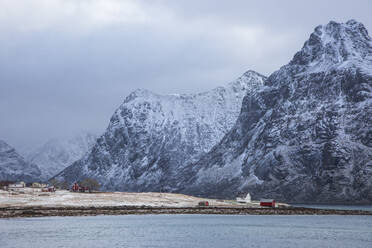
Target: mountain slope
55 155
151 137
306 136
14 168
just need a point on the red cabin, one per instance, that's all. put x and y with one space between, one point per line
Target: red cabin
84 189
267 203
204 203
75 187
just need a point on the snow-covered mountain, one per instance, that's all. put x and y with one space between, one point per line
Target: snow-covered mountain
151 137
55 155
13 167
306 136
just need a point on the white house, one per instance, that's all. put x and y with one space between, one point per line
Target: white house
17 185
247 199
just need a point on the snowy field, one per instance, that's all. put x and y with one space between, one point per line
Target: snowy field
34 197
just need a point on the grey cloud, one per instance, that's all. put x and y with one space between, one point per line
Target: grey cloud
59 79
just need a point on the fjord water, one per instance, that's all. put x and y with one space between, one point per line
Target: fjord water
188 231
336 207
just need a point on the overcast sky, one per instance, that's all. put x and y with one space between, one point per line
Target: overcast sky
66 65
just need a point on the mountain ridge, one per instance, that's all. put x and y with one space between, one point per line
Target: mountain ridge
150 136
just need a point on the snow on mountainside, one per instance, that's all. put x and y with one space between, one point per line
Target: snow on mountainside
306 136
151 137
14 168
55 155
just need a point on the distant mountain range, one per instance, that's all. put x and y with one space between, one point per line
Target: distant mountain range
13 167
44 162
57 154
304 134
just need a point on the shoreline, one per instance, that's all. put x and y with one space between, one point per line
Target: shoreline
40 211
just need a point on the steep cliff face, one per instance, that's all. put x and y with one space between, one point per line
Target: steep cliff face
151 137
13 167
306 136
55 155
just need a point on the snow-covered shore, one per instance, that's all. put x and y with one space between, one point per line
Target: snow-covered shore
33 197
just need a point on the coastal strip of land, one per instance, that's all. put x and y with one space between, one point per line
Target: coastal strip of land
30 202
40 211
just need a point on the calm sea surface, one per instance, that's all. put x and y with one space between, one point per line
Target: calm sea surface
188 231
341 207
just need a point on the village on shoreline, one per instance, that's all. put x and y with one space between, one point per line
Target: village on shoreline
18 200
40 194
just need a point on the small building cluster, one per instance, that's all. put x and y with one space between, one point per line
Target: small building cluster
203 204
21 186
39 185
77 188
12 186
48 189
263 202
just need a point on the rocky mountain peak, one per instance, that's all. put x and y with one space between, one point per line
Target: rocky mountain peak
333 45
252 74
250 79
138 93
